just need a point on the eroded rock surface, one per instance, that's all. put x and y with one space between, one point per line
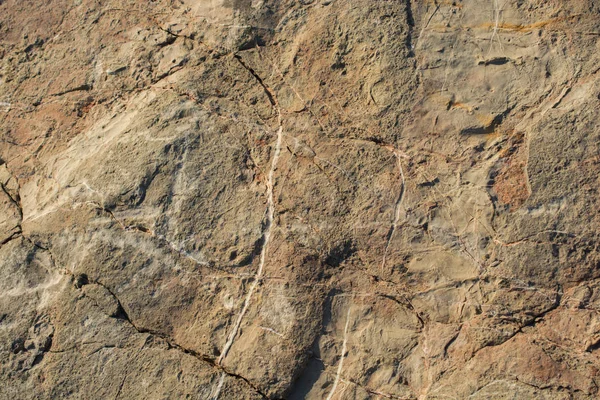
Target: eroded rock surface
320 199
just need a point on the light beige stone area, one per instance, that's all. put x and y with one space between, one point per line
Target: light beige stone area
313 199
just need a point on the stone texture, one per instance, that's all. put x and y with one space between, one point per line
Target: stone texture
299 199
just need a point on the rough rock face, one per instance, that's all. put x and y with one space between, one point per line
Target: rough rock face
321 199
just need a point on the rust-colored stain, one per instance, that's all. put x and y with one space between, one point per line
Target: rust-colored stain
462 106
511 183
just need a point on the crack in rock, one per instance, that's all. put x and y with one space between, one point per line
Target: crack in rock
270 215
82 280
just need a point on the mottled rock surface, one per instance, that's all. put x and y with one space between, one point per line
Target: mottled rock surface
320 199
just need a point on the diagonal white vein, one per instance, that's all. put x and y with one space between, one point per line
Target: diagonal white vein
265 246
341 364
396 211
219 386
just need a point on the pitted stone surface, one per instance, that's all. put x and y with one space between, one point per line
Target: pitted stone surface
299 199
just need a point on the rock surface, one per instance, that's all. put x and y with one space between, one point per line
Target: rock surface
320 199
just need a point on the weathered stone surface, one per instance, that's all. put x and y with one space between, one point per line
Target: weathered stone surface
299 199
